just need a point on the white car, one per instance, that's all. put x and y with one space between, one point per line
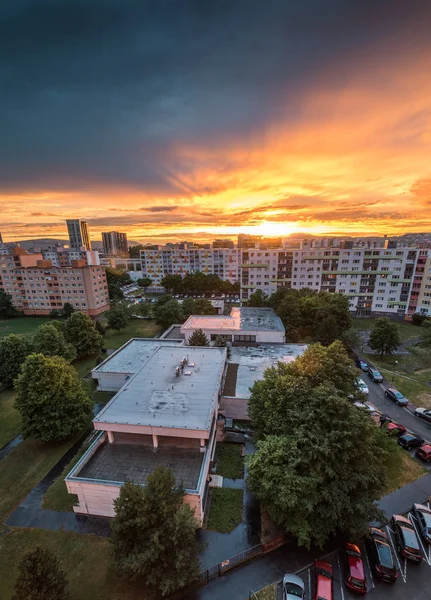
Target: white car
362 386
293 587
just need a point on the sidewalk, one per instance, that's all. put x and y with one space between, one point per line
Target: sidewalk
271 567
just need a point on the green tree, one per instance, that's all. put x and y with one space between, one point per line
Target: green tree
272 396
99 328
116 278
7 309
52 399
426 333
142 309
67 310
351 338
54 314
198 338
144 282
81 332
14 349
172 283
204 307
327 330
418 319
385 336
49 340
154 534
188 307
221 342
135 251
118 317
40 577
168 314
258 299
324 474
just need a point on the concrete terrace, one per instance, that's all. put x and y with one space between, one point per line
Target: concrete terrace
133 462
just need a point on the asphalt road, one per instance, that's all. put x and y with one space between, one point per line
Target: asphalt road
398 413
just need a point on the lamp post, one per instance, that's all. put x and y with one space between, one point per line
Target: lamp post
395 368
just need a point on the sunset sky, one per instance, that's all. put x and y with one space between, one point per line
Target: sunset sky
175 119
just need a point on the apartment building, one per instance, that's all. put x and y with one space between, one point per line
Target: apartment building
63 257
37 286
79 234
223 262
115 243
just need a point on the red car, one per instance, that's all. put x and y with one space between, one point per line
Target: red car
355 579
323 576
424 453
395 428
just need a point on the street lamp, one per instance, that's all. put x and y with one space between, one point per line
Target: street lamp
395 368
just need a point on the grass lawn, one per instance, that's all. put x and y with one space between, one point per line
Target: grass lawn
406 329
135 328
225 510
230 463
57 497
24 468
267 593
21 325
403 469
10 419
84 365
85 558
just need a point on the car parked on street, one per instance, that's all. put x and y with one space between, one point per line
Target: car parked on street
395 428
406 539
375 375
355 572
396 396
423 518
423 413
362 386
361 364
293 587
424 453
380 554
323 576
409 441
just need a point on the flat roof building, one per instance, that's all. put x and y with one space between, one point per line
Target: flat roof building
244 325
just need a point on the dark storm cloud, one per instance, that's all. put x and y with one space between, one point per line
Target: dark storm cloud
102 92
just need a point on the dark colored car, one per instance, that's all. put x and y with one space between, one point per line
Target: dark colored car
409 441
395 428
323 577
355 572
423 413
424 453
396 396
406 539
361 364
375 375
423 518
380 555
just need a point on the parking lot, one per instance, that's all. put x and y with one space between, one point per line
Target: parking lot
413 581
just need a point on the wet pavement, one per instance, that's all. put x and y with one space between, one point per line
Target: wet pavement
7 448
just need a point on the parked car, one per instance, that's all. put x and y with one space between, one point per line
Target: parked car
361 364
406 539
423 413
380 554
293 587
323 576
409 441
362 386
423 518
395 428
424 453
375 375
396 396
355 572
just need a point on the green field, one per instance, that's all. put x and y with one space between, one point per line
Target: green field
10 419
135 328
230 462
85 558
407 330
21 325
225 509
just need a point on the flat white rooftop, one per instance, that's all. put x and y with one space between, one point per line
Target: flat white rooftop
156 397
252 362
241 319
135 353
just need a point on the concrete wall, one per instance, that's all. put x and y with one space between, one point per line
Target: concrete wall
262 337
110 382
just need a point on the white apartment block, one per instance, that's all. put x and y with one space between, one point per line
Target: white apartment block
63 257
223 262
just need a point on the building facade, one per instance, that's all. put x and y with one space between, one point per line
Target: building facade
78 233
63 257
115 243
37 286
